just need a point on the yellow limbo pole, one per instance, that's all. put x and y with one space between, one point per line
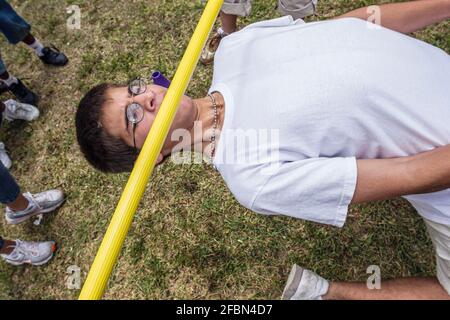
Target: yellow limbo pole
111 245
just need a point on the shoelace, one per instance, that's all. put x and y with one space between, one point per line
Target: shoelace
15 107
32 200
52 51
33 205
20 111
25 249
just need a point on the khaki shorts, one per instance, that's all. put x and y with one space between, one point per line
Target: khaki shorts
440 235
296 8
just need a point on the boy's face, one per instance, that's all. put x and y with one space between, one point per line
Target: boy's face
114 119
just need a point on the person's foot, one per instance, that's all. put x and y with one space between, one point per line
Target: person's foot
54 57
4 158
304 284
23 94
39 203
34 253
207 56
20 111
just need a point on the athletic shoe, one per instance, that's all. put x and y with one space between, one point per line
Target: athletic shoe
20 111
34 253
304 284
23 94
208 52
4 158
39 203
3 87
54 57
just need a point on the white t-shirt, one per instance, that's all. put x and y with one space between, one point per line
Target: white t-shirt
325 94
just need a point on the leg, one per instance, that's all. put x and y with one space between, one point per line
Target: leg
29 39
16 86
10 194
398 289
9 190
298 9
231 9
229 22
6 246
20 204
406 17
16 29
5 77
34 44
50 56
12 25
21 207
11 109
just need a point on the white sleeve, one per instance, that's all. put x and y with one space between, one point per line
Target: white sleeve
277 22
318 190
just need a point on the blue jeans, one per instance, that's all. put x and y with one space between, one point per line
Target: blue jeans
2 65
9 190
13 26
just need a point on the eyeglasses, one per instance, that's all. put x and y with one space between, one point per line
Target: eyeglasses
134 112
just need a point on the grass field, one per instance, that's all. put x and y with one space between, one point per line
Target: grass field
190 238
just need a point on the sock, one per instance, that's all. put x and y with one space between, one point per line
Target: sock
8 245
11 79
37 47
311 286
221 32
30 206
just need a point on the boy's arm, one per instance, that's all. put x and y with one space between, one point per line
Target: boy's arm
405 17
380 179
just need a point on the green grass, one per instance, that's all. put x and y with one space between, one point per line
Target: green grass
190 238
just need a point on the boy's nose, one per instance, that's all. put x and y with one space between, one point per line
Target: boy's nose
147 100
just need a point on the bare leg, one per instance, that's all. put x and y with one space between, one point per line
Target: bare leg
406 17
7 78
4 75
229 22
397 289
21 203
29 39
8 247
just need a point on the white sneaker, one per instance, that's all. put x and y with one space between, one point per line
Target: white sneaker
20 111
304 284
4 158
38 203
35 253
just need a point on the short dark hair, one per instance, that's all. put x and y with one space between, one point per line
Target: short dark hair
102 150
